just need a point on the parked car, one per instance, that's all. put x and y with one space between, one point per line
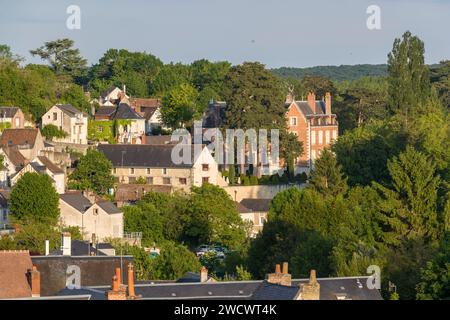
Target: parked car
201 250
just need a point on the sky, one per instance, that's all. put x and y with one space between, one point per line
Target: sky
291 33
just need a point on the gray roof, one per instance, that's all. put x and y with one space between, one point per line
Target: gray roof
135 155
256 205
8 112
244 290
109 207
306 109
76 200
105 111
80 248
124 111
69 109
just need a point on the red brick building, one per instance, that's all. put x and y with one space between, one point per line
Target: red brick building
314 124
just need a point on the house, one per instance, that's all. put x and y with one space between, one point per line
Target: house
4 207
277 286
129 125
70 120
150 110
112 96
18 277
43 165
96 218
13 162
254 211
154 164
80 248
131 193
314 124
11 118
28 141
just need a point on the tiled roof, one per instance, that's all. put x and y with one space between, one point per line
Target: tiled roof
108 91
14 266
256 205
19 137
160 139
14 155
147 156
145 102
8 112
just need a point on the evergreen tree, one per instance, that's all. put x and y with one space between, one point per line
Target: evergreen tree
409 82
327 177
409 203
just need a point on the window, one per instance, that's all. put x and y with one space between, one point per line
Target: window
313 138
5 214
95 211
183 181
320 137
131 179
148 170
164 170
55 116
327 137
205 179
166 180
293 121
149 180
262 220
205 167
334 134
131 170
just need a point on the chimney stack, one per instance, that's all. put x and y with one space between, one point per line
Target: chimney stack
66 244
203 274
47 247
115 293
328 103
131 293
310 290
119 275
34 278
280 278
312 101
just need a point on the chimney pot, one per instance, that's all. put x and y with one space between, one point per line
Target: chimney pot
131 292
119 275
312 101
285 268
35 281
66 244
328 103
115 284
277 268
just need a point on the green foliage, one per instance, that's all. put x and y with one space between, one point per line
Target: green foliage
409 82
62 57
34 198
93 172
326 176
254 98
51 131
290 150
179 107
101 130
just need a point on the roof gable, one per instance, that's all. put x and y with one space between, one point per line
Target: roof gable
14 266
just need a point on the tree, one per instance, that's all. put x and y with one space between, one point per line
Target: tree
8 55
317 84
51 131
326 176
179 107
254 98
62 57
435 277
290 150
34 198
93 172
214 218
173 262
409 202
409 82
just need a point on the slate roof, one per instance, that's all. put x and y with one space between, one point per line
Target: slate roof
306 109
68 109
124 111
146 156
19 137
5 195
134 192
79 248
76 200
14 266
105 111
108 91
241 208
50 165
270 291
109 207
256 205
8 112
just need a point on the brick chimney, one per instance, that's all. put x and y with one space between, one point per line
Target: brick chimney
310 290
66 244
115 293
34 279
328 103
203 274
312 101
280 278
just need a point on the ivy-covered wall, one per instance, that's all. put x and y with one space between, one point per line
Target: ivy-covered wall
101 130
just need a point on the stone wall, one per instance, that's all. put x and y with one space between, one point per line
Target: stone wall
238 193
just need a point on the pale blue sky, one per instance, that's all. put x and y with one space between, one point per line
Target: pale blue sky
277 33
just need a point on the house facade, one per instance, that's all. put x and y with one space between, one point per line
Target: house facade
27 141
150 110
154 164
70 120
95 217
315 126
11 118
